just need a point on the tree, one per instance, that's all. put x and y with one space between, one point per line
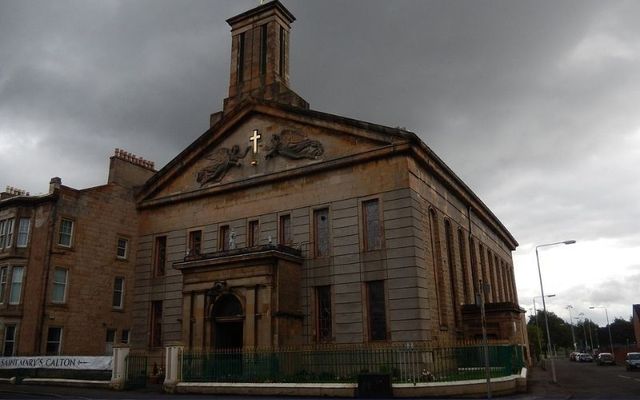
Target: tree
621 333
559 331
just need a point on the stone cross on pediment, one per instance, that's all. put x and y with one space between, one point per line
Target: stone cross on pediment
254 141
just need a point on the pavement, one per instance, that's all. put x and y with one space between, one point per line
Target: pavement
540 386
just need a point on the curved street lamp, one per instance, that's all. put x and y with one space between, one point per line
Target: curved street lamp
544 305
608 326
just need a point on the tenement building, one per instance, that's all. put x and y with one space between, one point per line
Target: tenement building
278 226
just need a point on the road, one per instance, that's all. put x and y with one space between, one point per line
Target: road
575 380
590 380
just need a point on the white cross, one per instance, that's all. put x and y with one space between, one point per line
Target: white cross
256 136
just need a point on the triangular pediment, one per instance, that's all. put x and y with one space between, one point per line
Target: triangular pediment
262 140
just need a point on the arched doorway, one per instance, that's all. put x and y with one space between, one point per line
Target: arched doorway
228 323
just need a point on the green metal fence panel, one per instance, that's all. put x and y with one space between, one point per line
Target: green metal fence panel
403 363
136 375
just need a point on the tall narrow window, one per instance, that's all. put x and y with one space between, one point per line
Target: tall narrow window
3 233
371 225
124 338
223 238
160 256
324 314
503 269
321 232
263 49
66 233
59 290
254 234
438 266
376 309
282 52
285 230
156 324
483 270
240 59
118 293
9 346
453 276
9 233
4 273
475 274
195 242
109 339
23 232
462 253
54 341
17 275
496 279
122 249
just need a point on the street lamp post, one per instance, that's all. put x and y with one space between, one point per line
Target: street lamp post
544 305
573 335
535 311
584 328
608 325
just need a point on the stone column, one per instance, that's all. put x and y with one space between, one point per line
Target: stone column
119 366
173 364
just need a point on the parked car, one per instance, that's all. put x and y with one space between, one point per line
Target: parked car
572 356
606 359
632 361
585 357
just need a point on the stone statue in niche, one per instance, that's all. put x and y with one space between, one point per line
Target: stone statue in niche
294 145
222 160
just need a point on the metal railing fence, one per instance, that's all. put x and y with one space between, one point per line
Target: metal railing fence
405 363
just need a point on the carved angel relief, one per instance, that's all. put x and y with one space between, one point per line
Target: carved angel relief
223 160
294 145
289 144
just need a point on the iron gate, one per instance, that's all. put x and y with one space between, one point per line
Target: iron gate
136 376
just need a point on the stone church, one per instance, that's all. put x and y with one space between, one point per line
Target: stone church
283 226
278 226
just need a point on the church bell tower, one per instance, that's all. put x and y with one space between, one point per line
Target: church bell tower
260 56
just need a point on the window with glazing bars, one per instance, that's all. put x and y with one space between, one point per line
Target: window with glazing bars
324 314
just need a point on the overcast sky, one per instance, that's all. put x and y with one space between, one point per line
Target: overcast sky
534 104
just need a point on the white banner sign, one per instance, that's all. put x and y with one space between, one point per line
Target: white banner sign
56 362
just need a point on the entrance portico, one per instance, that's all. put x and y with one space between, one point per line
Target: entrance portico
242 298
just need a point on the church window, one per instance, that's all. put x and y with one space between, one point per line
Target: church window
254 233
282 52
285 230
376 309
321 232
54 341
263 49
224 236
324 314
240 59
160 255
453 276
66 233
462 253
9 346
438 266
195 242
156 324
371 225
